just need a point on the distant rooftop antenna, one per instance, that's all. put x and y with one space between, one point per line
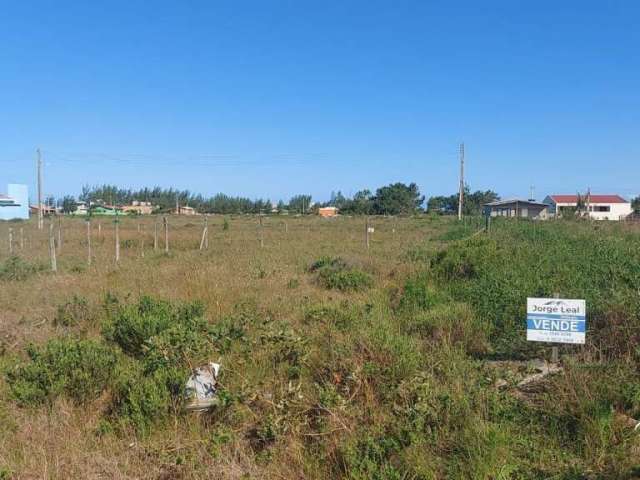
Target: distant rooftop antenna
531 190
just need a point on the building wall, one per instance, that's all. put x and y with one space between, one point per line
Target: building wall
327 212
20 194
520 209
617 211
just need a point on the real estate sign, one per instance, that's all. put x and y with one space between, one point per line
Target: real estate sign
556 320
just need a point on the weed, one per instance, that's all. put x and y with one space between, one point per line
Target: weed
345 280
131 326
17 269
80 369
73 312
336 263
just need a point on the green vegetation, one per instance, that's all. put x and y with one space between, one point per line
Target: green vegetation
397 362
336 274
80 369
18 269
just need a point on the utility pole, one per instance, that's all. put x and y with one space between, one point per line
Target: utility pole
461 194
39 169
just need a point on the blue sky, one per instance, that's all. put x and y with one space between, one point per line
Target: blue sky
272 98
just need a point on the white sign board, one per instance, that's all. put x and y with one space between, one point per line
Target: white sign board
556 320
370 230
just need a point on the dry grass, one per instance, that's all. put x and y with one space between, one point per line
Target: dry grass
61 442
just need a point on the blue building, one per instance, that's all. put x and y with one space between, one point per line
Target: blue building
15 204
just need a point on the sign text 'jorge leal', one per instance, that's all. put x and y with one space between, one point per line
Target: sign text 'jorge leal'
556 320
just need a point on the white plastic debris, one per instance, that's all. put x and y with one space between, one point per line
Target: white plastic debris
201 388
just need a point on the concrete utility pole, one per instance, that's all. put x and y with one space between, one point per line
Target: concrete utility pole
461 194
39 169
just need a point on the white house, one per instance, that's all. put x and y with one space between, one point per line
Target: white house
599 207
15 204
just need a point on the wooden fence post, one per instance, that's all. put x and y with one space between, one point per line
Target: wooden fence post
141 230
59 233
261 232
204 241
166 234
117 240
155 236
206 237
366 235
89 241
52 249
10 241
21 238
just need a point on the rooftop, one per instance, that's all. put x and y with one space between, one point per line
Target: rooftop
514 200
592 198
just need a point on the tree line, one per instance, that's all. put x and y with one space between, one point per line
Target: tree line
393 199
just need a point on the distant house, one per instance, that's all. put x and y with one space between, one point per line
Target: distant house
140 208
598 207
46 209
15 204
81 209
327 211
180 210
517 208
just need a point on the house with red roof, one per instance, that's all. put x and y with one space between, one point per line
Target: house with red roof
598 207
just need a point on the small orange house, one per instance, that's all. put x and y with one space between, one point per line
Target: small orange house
328 211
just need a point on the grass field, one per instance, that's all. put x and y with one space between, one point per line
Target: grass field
401 361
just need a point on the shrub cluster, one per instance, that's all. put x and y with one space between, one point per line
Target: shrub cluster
79 369
335 274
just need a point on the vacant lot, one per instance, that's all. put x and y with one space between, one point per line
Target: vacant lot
398 361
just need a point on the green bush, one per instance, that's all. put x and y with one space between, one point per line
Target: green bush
419 294
164 342
131 326
17 269
336 274
336 263
79 369
369 458
73 312
344 280
144 399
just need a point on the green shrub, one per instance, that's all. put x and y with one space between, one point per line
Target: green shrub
17 269
79 369
344 280
73 312
164 342
369 458
418 294
131 326
336 263
144 399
